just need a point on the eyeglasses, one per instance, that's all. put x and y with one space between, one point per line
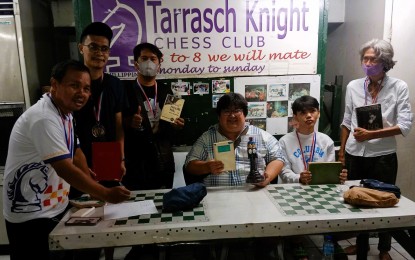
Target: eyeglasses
228 112
96 48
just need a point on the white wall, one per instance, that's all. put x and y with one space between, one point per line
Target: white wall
336 11
403 38
363 21
37 32
381 19
63 14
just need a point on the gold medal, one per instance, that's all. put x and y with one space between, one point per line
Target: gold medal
98 130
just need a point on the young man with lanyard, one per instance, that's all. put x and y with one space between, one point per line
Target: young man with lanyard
148 148
100 120
40 165
304 145
372 153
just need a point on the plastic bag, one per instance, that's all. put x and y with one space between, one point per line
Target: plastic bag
184 198
381 186
360 196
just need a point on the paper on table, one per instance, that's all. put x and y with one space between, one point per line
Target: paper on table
128 209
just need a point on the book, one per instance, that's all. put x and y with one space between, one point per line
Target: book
369 117
325 172
224 151
172 108
82 221
83 212
106 161
85 201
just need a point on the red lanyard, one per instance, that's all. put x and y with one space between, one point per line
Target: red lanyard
69 132
313 145
152 109
366 90
97 111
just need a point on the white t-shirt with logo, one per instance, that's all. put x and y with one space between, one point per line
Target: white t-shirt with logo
32 189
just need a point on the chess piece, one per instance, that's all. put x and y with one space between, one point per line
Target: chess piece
254 176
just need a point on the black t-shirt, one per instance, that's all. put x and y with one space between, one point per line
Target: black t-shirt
113 101
149 157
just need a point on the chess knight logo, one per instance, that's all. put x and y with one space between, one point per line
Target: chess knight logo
128 23
30 178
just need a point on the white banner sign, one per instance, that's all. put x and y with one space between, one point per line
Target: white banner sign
202 38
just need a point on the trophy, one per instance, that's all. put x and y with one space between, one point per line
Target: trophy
254 176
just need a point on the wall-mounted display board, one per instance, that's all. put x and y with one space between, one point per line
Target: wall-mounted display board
270 99
201 97
212 42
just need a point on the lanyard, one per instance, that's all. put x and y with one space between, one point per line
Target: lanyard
366 90
152 109
68 132
97 111
313 145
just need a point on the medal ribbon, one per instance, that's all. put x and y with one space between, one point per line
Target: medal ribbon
313 145
153 110
68 133
97 111
366 90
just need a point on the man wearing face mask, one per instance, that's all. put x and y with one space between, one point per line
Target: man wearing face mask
148 150
372 153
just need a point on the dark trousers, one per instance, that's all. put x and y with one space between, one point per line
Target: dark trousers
32 234
383 168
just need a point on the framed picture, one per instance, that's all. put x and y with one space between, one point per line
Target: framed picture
215 99
221 86
256 110
200 88
180 88
260 123
255 93
277 91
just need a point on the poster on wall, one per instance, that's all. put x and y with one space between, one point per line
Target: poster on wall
214 38
270 99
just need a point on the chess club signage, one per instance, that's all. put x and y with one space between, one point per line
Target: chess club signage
214 38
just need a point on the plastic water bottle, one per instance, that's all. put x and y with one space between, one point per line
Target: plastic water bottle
328 248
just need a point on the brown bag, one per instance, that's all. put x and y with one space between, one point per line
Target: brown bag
360 196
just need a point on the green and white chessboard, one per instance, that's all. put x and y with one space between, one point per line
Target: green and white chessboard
197 214
311 199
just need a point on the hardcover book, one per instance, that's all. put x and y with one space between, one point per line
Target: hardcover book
82 221
325 172
172 108
106 161
85 201
224 151
369 117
